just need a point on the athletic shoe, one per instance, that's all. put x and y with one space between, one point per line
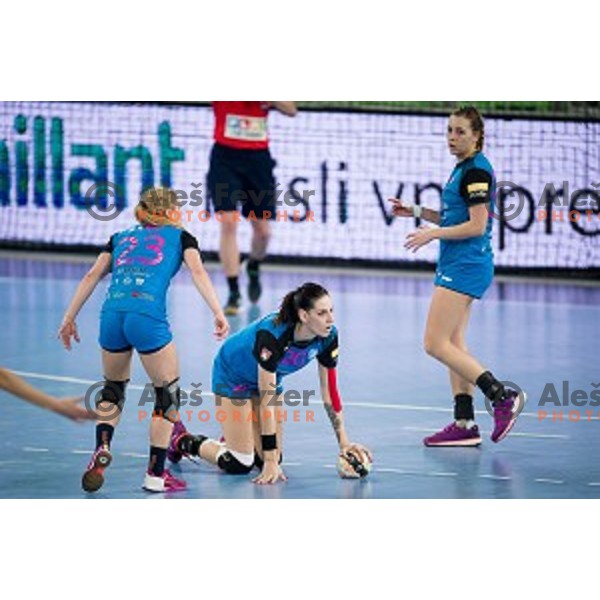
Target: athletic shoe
174 454
505 414
93 478
234 302
163 483
453 435
254 287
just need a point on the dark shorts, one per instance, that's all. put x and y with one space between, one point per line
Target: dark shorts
242 179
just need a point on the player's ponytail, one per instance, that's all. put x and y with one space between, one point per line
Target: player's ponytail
302 298
476 121
158 207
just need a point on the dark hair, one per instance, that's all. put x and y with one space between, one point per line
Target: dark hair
476 121
302 298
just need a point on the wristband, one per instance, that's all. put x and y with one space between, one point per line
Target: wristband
269 442
417 211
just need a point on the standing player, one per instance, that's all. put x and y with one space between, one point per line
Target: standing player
67 407
241 170
142 260
249 370
464 272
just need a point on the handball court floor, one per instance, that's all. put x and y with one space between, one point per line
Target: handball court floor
532 333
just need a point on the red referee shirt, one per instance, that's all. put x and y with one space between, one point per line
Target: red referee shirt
241 125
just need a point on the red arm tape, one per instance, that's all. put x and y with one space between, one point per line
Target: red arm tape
334 394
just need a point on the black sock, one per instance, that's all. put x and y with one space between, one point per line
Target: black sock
491 387
234 286
104 434
463 408
253 267
190 444
156 466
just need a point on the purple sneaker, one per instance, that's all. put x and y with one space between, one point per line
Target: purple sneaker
506 413
173 452
93 478
163 483
453 435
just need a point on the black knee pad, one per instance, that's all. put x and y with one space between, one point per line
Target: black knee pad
113 392
168 400
230 464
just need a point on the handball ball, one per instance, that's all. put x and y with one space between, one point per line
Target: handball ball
353 464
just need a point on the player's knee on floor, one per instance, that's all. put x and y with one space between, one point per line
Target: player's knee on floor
167 401
235 463
113 392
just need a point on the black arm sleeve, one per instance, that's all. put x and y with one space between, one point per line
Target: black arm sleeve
188 241
109 247
268 350
329 356
476 187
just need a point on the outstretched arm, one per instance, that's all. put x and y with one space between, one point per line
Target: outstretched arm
271 472
204 285
68 407
87 285
332 404
402 209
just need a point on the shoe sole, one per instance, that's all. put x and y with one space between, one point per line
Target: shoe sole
458 444
511 424
148 487
231 311
93 478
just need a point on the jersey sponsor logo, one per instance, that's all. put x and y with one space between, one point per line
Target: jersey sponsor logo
249 129
265 354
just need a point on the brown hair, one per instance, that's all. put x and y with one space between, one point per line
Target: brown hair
302 298
475 120
158 206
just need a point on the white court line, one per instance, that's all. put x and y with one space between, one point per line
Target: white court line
552 481
134 454
29 449
413 407
495 477
81 452
594 483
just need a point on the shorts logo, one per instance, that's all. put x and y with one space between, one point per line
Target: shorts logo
265 355
335 353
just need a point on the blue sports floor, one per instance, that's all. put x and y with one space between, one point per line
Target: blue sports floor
531 333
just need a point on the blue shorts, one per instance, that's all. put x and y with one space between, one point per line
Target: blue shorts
229 385
123 331
469 279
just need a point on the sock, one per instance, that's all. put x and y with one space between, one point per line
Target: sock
464 414
104 434
491 387
234 286
253 267
156 466
190 444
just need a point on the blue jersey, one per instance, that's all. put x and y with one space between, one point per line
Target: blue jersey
144 260
471 182
272 347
